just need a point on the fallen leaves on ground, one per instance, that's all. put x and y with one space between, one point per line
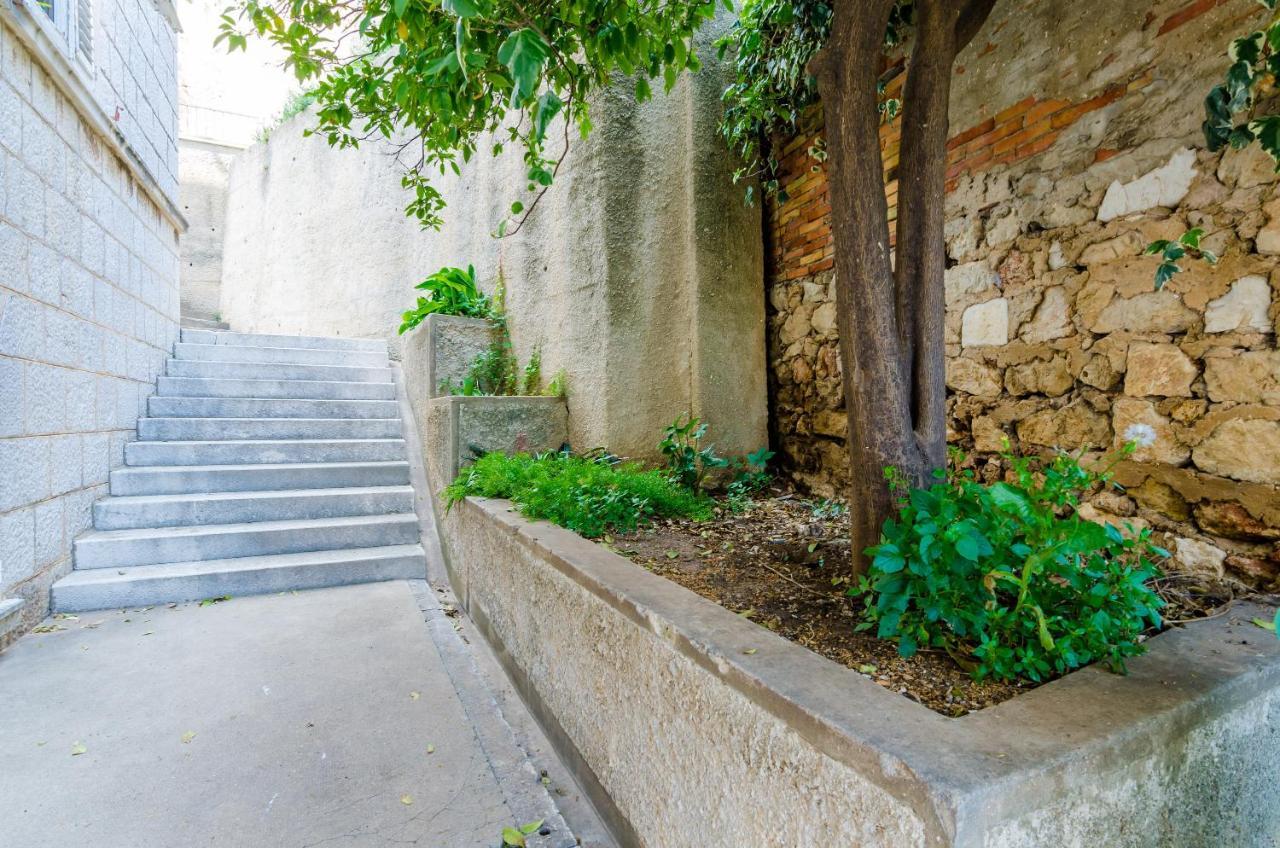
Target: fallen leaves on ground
188 736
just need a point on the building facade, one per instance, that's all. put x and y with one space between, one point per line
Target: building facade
89 298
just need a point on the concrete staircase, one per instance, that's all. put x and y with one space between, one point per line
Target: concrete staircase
266 463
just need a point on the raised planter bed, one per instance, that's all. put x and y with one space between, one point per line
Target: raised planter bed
693 726
457 428
441 351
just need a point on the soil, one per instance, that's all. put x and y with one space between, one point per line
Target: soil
784 564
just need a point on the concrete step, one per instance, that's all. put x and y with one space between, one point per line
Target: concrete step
186 480
270 388
195 336
279 355
149 546
264 371
194 407
224 429
123 513
189 581
197 323
144 454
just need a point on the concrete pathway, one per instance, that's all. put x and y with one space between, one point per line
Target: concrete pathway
352 716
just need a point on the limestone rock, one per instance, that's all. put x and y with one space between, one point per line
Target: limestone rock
1247 167
1243 308
1126 412
1052 319
986 324
972 377
1150 312
1073 426
1199 558
1158 369
1044 377
1165 186
830 422
1100 373
797 325
824 319
1162 498
1242 449
1232 521
1248 377
1256 570
988 436
970 278
1267 239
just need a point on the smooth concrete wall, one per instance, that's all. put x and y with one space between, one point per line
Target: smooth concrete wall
639 274
202 190
88 278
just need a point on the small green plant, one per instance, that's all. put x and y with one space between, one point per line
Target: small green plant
531 382
450 291
1008 578
559 385
688 462
750 476
1187 245
827 508
514 837
591 495
296 104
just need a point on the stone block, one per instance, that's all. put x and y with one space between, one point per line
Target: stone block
1197 558
1243 308
972 377
1130 420
1052 319
447 346
1158 370
458 429
50 532
986 324
47 403
1076 425
1242 449
12 394
17 547
1243 376
1165 186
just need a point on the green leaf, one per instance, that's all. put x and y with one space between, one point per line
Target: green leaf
524 53
461 8
512 838
531 827
1267 130
1191 238
1164 273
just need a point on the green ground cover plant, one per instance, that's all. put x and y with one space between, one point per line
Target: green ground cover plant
450 291
590 495
1008 578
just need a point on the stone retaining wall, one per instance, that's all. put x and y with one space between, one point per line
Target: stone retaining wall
1076 144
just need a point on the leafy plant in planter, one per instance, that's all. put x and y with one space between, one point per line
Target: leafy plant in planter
688 462
450 291
591 495
1008 578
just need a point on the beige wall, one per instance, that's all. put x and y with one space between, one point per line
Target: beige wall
639 274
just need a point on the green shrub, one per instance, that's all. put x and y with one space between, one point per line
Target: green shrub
589 495
688 462
450 291
1008 578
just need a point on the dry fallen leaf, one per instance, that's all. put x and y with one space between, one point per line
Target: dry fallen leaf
431 749
78 748
415 695
749 651
188 736
406 799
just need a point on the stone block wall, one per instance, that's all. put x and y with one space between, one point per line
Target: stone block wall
1075 143
88 313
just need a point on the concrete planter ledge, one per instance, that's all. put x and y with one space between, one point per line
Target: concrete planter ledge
445 347
457 428
687 740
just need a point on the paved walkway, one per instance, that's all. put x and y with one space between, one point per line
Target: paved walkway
340 717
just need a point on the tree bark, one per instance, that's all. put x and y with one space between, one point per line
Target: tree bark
876 375
890 318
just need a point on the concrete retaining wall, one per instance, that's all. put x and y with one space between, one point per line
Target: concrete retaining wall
640 273
688 740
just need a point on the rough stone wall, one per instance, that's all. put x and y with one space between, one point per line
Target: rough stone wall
639 274
1076 143
88 312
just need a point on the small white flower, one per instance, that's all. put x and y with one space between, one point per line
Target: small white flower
1142 435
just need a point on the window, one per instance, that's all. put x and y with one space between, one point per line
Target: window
72 25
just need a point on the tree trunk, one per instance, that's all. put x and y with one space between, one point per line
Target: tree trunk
890 322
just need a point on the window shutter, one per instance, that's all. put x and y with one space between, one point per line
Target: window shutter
84 30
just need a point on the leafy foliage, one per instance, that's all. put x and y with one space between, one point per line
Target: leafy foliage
773 43
750 476
514 837
1231 109
438 77
450 291
1008 578
590 495
295 105
1188 244
688 462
